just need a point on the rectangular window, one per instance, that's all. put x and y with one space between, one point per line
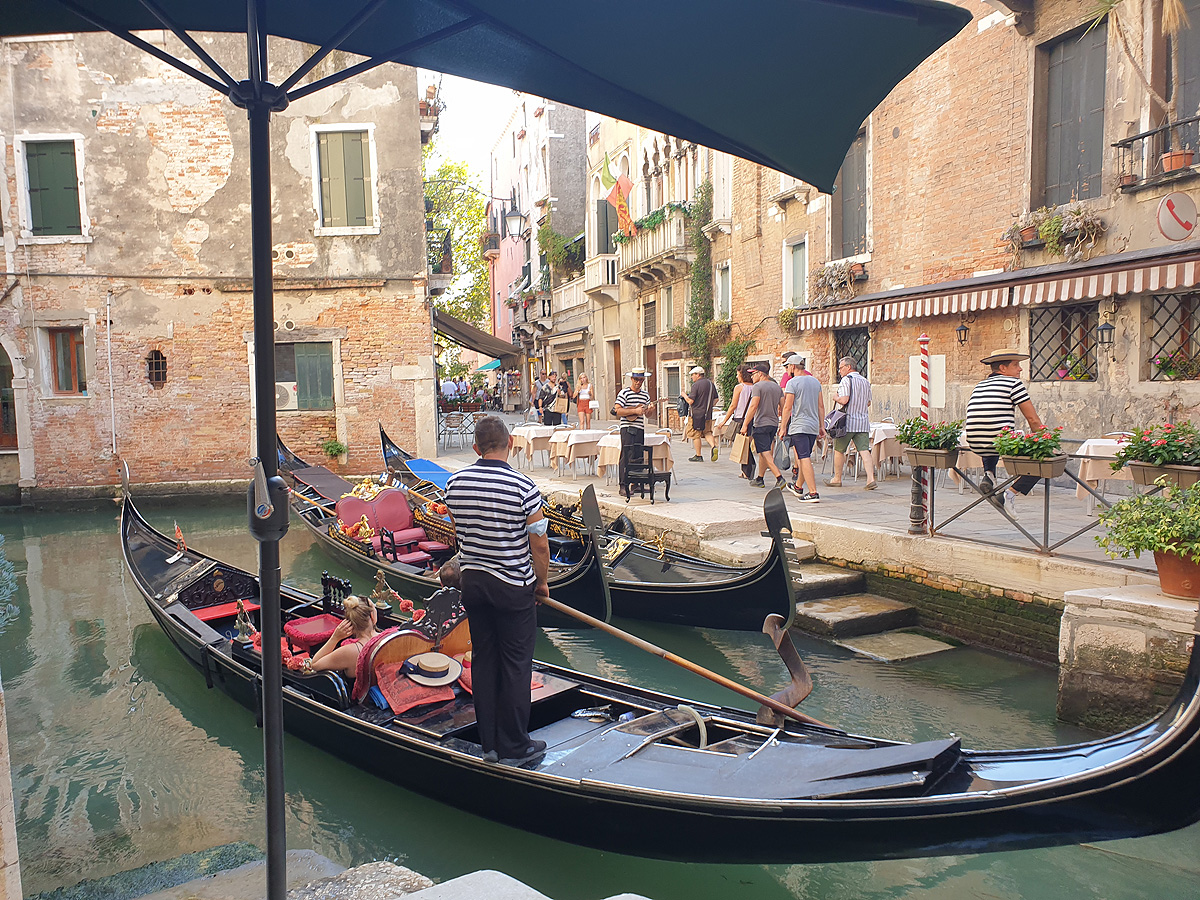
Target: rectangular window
797 261
649 320
667 313
673 384
1174 340
1062 343
848 208
854 343
51 201
310 366
724 291
1075 116
67 363
346 195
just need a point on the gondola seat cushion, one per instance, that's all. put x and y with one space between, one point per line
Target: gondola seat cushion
416 558
390 512
311 631
432 546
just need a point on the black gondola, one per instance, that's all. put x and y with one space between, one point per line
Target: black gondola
650 581
577 575
649 780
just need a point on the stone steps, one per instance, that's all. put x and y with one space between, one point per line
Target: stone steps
851 615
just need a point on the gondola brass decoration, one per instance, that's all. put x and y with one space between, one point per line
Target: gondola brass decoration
245 630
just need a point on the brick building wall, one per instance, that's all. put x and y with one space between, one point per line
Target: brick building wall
164 266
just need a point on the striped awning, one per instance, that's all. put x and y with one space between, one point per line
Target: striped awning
1108 281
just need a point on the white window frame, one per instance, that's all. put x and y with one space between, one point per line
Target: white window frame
320 230
788 299
718 294
666 308
25 233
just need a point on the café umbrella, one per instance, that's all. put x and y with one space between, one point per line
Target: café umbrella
783 83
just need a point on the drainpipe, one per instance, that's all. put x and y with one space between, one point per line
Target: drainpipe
112 394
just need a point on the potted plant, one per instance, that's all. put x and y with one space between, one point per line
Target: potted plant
1174 160
1166 524
1030 224
932 444
1037 453
1085 228
333 448
1162 451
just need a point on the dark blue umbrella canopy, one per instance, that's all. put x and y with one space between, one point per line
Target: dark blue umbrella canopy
784 83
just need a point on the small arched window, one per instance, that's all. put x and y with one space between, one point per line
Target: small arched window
156 368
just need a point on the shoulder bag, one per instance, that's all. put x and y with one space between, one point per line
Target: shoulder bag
835 419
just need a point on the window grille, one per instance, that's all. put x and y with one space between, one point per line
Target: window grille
854 343
1062 343
649 320
1174 345
156 368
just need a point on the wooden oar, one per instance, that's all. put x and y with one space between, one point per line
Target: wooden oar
316 503
781 708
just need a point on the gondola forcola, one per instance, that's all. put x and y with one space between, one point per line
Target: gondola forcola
647 580
633 770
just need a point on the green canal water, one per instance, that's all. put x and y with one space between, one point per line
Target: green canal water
121 757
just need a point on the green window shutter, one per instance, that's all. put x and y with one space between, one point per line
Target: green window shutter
314 375
344 159
53 188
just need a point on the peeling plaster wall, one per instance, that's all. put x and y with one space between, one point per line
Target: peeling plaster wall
166 187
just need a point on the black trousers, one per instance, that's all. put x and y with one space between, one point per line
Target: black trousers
503 621
550 417
629 438
1022 485
749 469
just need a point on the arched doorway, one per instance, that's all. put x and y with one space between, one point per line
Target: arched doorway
8 404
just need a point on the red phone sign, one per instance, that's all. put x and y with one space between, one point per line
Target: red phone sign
1177 216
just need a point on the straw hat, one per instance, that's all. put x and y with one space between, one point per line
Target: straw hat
639 372
1004 354
432 669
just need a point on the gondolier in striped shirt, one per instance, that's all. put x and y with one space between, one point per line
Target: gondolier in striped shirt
991 409
631 406
505 561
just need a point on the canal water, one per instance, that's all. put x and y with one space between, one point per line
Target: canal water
121 756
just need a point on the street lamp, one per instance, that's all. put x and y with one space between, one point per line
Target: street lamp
514 222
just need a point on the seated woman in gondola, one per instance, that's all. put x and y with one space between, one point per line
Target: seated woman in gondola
357 630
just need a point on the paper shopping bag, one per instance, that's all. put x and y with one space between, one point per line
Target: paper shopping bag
741 448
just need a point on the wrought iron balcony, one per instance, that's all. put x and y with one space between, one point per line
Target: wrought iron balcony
1166 153
489 245
657 253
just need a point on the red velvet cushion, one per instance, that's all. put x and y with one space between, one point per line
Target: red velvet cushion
311 631
432 546
414 559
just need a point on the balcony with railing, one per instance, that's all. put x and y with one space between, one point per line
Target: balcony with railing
600 277
568 296
440 258
1163 154
489 245
657 252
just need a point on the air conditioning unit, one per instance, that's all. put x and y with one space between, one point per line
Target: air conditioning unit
286 395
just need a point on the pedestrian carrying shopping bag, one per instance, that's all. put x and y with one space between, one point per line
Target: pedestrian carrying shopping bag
741 449
783 454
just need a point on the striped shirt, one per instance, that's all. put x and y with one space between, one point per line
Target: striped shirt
491 503
858 389
629 398
991 409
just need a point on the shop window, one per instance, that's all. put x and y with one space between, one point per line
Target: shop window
1174 344
854 343
68 371
305 372
156 368
1062 343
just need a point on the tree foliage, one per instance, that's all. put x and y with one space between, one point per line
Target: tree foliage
463 212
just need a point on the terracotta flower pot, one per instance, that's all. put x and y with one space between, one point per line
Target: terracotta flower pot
1178 576
1042 468
1174 160
1029 233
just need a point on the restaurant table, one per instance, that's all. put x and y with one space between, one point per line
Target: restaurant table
884 445
610 453
530 439
567 447
1094 456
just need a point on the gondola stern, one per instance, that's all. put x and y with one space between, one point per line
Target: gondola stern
779 528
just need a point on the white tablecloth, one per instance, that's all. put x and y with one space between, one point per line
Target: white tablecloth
1095 468
579 443
610 451
884 445
529 439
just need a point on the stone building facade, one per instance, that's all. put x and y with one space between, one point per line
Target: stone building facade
125 312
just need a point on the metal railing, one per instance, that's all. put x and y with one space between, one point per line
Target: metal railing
438 252
1142 160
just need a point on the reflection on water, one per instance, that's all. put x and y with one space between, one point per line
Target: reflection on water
121 756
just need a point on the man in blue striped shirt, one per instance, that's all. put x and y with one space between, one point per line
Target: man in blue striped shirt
505 560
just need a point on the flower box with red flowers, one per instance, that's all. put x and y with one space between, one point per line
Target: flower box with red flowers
1036 453
1158 446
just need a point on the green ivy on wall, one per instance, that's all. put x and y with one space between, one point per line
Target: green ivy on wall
733 355
700 305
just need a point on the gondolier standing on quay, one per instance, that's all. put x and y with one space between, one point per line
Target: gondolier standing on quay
631 406
505 561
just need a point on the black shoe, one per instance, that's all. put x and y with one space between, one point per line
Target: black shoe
532 752
780 482
756 482
695 459
810 498
985 485
491 756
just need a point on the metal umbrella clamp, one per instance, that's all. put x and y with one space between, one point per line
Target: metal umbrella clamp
543 47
